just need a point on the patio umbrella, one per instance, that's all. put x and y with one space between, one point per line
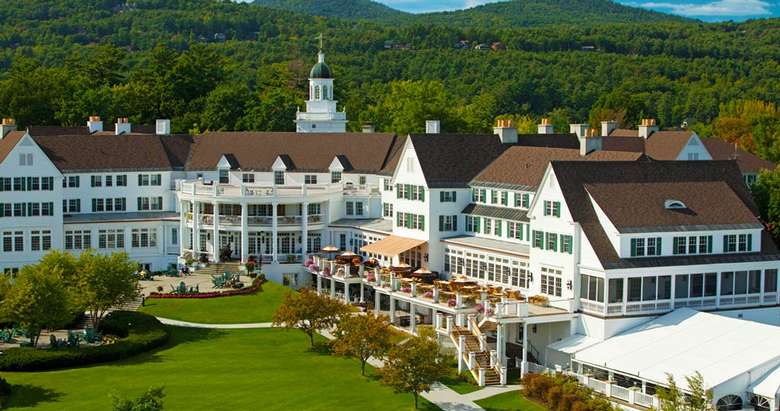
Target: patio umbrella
348 254
422 271
330 249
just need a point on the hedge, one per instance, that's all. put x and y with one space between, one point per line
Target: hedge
563 393
138 333
257 285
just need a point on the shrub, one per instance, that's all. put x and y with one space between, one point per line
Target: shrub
563 393
140 333
257 285
5 391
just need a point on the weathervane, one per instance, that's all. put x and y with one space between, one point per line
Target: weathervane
320 38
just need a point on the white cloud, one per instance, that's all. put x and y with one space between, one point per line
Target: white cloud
739 8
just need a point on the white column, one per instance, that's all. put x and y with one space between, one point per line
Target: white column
332 287
215 236
275 234
304 229
392 310
195 231
346 291
377 301
524 364
412 318
182 225
244 233
319 283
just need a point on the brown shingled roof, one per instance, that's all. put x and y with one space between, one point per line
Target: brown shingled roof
525 166
452 160
748 163
624 132
8 143
366 152
81 153
667 145
575 176
642 205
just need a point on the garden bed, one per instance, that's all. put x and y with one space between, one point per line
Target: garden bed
137 332
257 285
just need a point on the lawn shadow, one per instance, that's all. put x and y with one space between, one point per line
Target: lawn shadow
28 395
321 348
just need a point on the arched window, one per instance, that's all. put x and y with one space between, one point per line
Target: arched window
760 403
316 92
325 92
729 403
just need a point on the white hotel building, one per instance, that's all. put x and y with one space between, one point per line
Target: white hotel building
602 255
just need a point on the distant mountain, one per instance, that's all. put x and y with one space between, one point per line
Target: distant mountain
529 13
347 9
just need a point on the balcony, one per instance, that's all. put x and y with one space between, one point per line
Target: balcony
279 192
255 221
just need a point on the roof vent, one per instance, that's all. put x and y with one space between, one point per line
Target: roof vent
432 126
6 126
163 127
674 205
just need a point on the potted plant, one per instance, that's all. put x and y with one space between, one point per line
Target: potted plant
250 266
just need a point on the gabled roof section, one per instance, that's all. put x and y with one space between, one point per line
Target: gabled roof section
228 161
556 140
8 143
283 161
644 206
452 160
621 178
366 152
667 145
504 213
522 168
624 132
344 161
748 163
128 152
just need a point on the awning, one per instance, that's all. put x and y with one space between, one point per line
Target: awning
392 245
573 344
767 385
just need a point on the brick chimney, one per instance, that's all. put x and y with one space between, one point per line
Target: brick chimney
432 127
545 127
506 131
607 127
122 126
163 127
647 127
579 129
368 128
590 142
7 125
94 124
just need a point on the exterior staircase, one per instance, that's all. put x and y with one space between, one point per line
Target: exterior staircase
219 268
475 352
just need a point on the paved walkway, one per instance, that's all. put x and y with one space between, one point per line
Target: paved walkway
441 395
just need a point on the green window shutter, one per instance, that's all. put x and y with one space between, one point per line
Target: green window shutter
441 223
709 244
422 193
557 208
571 244
441 196
421 223
526 200
455 223
454 196
658 245
398 191
725 243
633 247
750 242
555 242
675 243
520 228
546 204
473 195
477 222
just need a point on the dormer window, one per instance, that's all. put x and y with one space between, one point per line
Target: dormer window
674 205
335 177
224 176
279 178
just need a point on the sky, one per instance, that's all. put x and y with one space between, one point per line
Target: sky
708 10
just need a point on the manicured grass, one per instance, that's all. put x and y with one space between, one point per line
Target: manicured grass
253 308
510 401
267 369
462 384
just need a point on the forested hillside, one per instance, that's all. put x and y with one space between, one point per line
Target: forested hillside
350 9
215 65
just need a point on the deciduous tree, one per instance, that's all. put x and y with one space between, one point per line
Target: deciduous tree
309 312
414 366
363 337
151 400
105 281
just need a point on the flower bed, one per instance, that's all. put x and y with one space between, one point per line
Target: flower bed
138 333
257 285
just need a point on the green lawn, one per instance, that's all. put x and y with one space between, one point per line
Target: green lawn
510 401
268 369
462 384
254 308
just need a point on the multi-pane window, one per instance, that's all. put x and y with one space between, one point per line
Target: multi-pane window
538 239
566 244
488 226
551 281
247 178
109 181
472 224
552 208
156 179
410 192
350 208
387 185
410 221
40 240
279 177
737 243
551 241
121 180
504 198
150 203
387 209
78 239
479 195
27 209
359 208
692 244
71 181
335 177
740 282
314 209
493 197
144 238
592 288
362 180
310 179
641 247
695 285
447 196
649 288
111 239
96 181
515 230
448 223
